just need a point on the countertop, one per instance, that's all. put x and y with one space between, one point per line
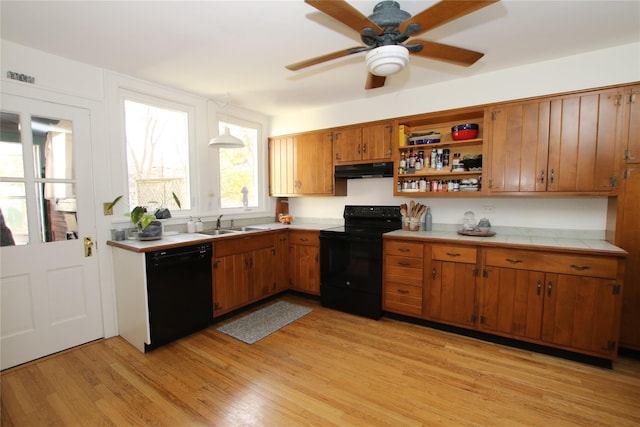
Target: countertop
501 239
516 241
172 240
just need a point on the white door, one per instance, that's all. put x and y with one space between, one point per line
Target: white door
49 283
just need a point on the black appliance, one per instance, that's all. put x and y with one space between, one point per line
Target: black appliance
367 170
179 292
351 259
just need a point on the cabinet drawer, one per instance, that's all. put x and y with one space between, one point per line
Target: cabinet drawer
406 249
403 270
454 253
310 238
404 299
243 244
578 265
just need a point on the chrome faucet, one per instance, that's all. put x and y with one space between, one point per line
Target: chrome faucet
218 223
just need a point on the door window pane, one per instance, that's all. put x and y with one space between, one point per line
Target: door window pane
13 205
157 155
239 169
53 149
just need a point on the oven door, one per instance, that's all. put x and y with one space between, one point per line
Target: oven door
351 273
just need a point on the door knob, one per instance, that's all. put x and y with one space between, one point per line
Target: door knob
88 247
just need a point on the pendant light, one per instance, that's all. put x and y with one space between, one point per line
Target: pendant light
226 140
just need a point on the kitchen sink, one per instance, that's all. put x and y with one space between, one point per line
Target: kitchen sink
218 232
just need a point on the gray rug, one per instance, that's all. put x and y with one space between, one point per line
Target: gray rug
257 325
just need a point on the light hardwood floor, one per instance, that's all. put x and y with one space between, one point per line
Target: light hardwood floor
326 369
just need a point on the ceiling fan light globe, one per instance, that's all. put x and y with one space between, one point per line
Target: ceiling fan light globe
387 60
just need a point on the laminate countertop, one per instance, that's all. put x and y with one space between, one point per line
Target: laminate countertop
173 239
562 244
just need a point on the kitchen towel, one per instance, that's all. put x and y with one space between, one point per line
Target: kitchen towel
257 325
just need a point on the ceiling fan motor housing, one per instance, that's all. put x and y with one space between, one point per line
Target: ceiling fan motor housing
388 14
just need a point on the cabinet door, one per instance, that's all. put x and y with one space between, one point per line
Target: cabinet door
347 145
230 283
282 261
512 302
631 133
305 268
262 274
518 147
282 166
582 142
376 143
314 168
451 297
628 238
580 313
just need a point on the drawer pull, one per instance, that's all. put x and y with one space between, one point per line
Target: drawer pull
403 291
454 254
404 264
304 239
514 261
580 267
404 250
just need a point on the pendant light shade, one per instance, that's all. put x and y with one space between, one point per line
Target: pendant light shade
226 140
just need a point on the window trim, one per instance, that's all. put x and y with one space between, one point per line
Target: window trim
261 164
125 94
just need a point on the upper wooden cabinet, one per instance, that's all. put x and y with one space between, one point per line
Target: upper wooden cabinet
563 144
302 165
363 144
446 180
631 124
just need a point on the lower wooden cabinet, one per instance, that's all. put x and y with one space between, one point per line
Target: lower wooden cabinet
304 257
451 272
243 271
570 301
403 277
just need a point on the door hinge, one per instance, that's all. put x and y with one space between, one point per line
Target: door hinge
337 156
613 181
611 345
615 288
483 319
215 264
494 115
331 137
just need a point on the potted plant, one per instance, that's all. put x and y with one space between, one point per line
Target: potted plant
148 226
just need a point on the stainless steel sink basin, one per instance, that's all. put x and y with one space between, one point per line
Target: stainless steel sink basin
217 232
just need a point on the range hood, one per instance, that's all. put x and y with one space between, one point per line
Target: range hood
367 170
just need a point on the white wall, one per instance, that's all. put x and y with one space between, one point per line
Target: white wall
590 70
582 213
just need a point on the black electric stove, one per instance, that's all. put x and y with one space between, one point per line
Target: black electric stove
351 259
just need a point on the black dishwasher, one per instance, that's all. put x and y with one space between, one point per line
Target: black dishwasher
179 292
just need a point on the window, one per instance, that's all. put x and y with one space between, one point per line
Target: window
157 140
239 169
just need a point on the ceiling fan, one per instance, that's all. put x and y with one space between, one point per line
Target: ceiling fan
387 29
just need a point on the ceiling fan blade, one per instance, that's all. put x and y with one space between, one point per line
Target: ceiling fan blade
374 81
345 13
443 12
319 59
446 53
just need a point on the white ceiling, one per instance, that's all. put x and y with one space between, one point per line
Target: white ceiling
241 47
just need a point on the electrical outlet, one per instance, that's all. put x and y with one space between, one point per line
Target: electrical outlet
489 209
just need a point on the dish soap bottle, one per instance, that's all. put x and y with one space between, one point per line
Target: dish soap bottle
428 220
191 227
